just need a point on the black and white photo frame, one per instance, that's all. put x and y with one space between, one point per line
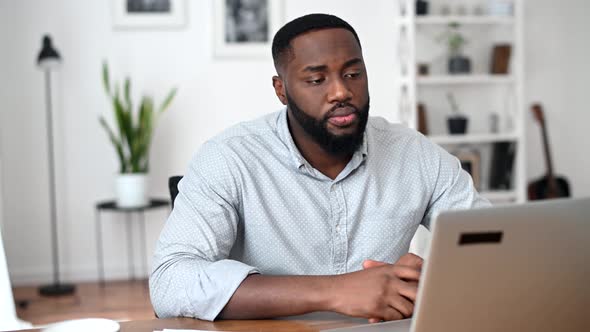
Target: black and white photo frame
245 28
149 14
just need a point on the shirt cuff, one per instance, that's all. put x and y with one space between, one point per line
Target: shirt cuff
223 278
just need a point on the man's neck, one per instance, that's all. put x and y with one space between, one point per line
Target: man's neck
328 164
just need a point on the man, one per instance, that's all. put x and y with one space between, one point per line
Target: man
299 211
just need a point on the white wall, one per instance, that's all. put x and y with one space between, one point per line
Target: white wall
557 74
213 94
3 96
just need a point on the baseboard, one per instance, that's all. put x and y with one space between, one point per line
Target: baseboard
26 276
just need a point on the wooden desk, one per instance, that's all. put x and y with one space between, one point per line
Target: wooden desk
236 325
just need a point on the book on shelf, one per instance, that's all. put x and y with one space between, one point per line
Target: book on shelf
502 165
500 59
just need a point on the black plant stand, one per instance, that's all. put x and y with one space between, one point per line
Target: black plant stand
128 212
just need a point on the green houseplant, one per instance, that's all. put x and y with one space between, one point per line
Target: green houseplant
455 41
131 138
457 122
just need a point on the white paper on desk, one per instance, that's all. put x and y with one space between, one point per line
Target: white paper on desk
172 330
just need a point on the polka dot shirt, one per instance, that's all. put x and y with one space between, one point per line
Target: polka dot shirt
250 203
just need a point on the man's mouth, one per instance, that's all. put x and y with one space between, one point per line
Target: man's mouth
343 116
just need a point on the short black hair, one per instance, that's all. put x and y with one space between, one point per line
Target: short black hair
281 43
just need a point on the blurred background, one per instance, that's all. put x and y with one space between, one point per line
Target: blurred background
479 63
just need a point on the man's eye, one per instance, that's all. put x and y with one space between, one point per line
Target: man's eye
315 81
352 75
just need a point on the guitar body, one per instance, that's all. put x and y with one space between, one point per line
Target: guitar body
540 189
548 186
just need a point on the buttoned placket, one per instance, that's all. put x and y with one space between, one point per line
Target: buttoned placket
339 226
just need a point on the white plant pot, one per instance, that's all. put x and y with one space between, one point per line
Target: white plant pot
132 190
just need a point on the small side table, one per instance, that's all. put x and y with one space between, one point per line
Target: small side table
140 211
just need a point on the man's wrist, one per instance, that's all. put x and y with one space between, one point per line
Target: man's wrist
326 294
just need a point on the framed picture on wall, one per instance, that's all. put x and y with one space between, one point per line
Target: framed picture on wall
245 28
149 14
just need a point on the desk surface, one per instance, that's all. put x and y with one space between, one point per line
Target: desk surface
235 325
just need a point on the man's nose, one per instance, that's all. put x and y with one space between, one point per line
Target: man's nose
339 91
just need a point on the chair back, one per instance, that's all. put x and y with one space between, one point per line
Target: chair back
173 187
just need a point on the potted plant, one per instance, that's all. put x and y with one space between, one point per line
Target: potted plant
457 63
457 122
132 138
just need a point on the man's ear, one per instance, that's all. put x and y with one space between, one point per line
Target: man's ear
278 84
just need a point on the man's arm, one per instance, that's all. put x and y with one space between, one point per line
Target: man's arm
451 186
385 292
192 276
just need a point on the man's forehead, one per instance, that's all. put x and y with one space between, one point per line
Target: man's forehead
316 45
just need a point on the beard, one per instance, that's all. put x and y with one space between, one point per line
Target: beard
317 129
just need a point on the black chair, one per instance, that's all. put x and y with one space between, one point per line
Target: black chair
173 187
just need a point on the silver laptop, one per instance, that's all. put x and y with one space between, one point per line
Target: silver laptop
507 268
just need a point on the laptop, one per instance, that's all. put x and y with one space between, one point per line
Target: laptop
506 268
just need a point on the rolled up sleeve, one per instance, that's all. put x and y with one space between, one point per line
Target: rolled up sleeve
191 275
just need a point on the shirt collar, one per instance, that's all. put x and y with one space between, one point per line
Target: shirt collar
298 160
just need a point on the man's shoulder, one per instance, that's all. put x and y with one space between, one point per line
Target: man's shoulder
249 139
261 127
382 129
385 136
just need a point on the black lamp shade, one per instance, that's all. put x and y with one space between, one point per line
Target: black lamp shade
47 51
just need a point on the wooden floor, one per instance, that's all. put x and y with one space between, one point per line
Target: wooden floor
117 300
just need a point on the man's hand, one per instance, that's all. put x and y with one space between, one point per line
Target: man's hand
409 260
384 292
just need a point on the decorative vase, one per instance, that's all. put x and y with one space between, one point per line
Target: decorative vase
457 124
459 64
131 190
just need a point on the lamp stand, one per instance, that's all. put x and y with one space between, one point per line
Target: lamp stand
57 288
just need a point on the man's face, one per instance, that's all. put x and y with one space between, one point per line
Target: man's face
325 87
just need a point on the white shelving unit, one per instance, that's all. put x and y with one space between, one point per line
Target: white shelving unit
437 20
479 92
465 79
473 138
501 196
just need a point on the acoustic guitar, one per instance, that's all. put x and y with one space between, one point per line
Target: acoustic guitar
549 185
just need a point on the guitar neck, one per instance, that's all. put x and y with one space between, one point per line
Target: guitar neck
552 191
548 159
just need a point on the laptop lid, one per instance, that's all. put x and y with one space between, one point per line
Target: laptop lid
508 268
505 268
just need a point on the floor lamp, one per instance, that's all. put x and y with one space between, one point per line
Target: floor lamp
48 61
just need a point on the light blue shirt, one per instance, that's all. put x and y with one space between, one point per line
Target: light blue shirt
250 203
